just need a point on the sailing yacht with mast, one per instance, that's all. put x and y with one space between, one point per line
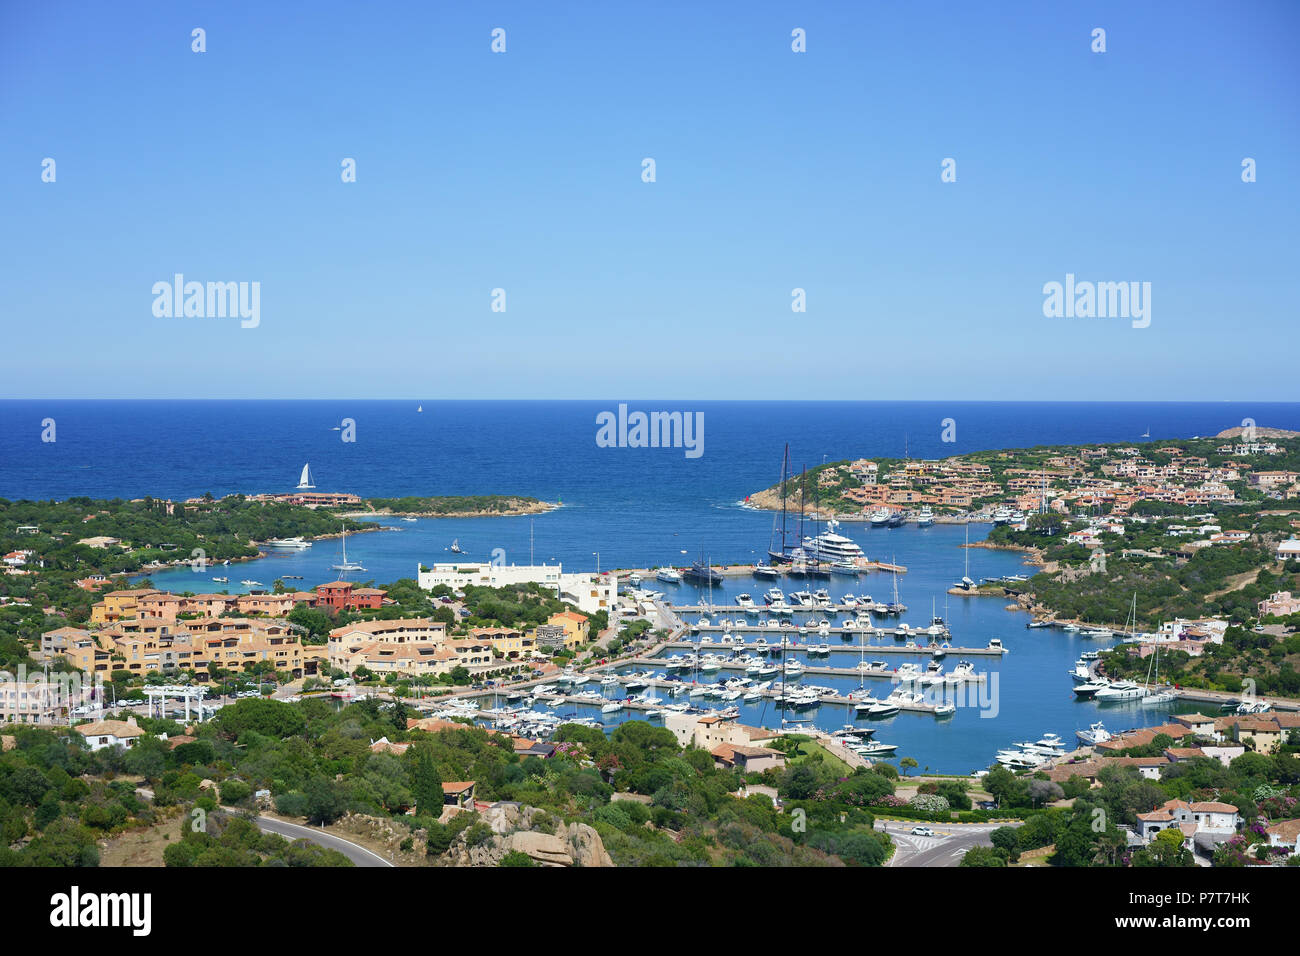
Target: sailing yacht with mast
804 564
304 481
896 606
1164 696
345 564
966 583
775 554
1124 689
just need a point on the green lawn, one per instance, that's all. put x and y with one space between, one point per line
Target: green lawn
809 748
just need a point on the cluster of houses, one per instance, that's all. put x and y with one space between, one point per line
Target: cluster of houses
1196 736
731 744
201 645
1066 482
150 604
1279 604
950 483
413 647
147 631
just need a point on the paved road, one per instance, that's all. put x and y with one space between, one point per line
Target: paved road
359 855
946 848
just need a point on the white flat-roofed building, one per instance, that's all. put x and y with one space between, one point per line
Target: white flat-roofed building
589 592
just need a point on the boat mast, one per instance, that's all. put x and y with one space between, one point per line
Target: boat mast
785 477
862 658
967 550
803 505
708 572
817 526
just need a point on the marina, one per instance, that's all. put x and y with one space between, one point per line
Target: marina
1024 690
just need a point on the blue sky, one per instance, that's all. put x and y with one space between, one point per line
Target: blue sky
775 170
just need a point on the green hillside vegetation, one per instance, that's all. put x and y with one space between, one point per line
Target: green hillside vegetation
455 504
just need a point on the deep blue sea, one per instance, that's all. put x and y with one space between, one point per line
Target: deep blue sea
636 507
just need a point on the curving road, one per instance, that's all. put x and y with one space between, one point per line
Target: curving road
946 848
359 855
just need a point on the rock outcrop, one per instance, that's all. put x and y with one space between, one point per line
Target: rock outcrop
527 830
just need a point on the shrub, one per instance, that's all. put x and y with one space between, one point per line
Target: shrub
235 791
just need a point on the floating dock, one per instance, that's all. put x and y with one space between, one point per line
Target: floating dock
875 648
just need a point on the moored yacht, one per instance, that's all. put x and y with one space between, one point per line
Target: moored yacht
877 709
1120 690
1095 734
963 672
925 517
873 748
668 576
829 546
289 544
1089 689
701 573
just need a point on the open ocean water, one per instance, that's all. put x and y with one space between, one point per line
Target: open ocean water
635 507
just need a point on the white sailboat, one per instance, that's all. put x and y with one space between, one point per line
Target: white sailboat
346 565
305 482
966 583
1125 689
1165 695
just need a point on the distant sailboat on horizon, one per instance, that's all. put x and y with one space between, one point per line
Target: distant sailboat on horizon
419 408
1147 433
304 482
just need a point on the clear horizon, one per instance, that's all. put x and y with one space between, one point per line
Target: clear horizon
775 171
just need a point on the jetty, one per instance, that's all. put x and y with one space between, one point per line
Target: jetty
822 670
742 570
